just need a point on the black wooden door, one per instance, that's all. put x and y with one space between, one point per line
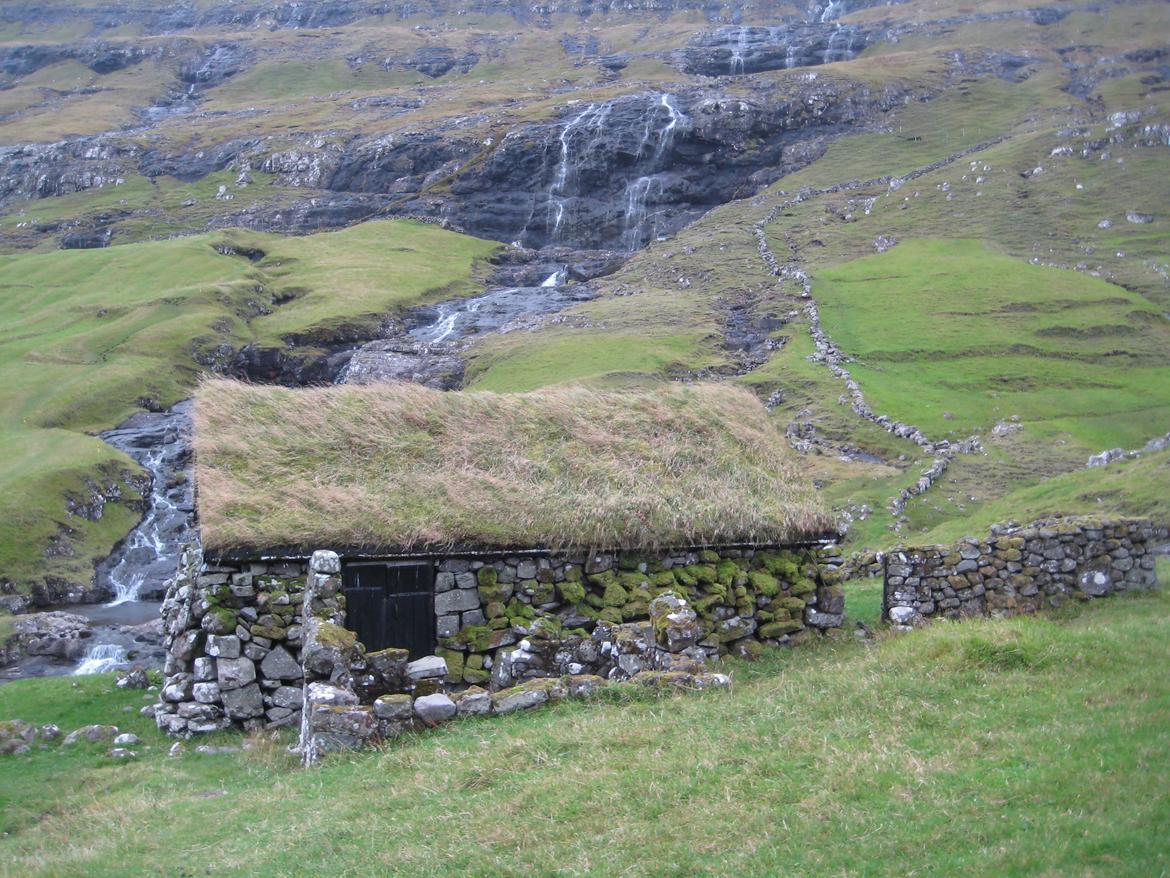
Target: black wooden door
391 605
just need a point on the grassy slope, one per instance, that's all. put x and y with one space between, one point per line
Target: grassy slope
952 326
1023 747
88 334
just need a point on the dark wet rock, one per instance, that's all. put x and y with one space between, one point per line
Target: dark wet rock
739 50
214 65
86 239
101 58
575 44
194 164
436 61
396 165
618 174
42 171
307 215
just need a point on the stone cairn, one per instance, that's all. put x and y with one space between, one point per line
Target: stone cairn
1021 570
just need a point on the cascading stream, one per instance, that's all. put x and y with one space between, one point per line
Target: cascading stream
591 144
147 559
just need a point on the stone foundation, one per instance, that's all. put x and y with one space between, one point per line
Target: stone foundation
1021 570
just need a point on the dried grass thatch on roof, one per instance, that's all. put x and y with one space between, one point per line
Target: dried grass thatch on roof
399 468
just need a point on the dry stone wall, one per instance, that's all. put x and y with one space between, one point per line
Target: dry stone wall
1022 570
233 636
249 643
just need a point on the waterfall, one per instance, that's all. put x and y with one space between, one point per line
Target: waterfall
634 135
148 557
636 193
737 51
834 50
101 657
835 9
589 122
555 279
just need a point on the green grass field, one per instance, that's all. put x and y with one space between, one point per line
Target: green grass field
1034 746
90 334
952 326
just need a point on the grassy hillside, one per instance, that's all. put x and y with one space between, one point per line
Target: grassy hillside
1034 746
91 335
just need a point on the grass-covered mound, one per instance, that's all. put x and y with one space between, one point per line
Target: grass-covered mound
90 335
399 467
1033 746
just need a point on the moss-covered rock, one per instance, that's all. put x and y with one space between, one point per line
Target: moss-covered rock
573 573
475 676
276 632
783 565
684 576
704 573
704 606
615 595
709 556
727 572
779 629
494 590
790 603
748 648
520 611
495 610
611 614
634 581
764 583
603 580
630 561
329 635
455 662
487 576
572 592
663 579
636 609
802 586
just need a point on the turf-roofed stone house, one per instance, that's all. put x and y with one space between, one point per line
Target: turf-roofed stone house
366 548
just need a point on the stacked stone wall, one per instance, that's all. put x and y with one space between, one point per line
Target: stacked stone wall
233 636
247 640
1022 570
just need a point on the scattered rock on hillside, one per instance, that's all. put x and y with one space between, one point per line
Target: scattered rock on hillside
93 734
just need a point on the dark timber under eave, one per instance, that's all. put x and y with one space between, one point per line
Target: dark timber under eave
300 553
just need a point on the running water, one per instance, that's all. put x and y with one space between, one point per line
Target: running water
148 558
623 144
428 351
101 657
496 309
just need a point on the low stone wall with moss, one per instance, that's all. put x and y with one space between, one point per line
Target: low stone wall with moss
236 632
1022 570
746 599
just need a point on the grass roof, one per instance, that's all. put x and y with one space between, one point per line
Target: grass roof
399 467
